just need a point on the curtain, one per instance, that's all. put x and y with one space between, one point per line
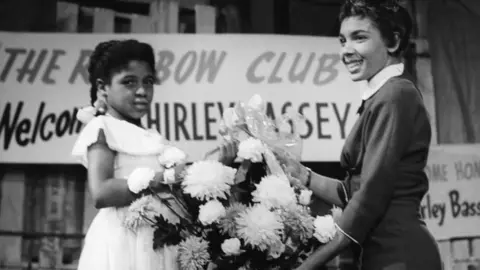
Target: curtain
454 41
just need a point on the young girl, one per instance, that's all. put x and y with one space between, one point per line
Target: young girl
112 146
385 153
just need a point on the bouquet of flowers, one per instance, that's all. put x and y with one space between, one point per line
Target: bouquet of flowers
274 228
224 218
155 208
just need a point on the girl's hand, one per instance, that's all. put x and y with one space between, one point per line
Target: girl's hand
228 152
158 183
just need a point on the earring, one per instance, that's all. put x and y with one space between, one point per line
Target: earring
100 105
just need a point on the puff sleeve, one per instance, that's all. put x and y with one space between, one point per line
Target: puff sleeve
89 136
387 133
121 137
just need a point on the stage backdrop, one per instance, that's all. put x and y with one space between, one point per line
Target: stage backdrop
44 80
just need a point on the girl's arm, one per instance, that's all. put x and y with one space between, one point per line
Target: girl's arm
106 190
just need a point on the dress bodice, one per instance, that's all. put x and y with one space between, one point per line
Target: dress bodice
126 163
109 245
134 146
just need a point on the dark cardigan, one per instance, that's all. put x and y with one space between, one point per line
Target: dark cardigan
385 155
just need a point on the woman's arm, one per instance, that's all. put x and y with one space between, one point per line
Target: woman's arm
106 191
330 190
388 134
326 253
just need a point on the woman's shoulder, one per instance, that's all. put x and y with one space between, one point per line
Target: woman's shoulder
399 90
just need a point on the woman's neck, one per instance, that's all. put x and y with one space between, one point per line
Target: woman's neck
390 61
393 61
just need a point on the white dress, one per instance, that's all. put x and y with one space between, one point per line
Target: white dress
108 244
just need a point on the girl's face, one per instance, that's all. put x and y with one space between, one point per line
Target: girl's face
363 49
130 91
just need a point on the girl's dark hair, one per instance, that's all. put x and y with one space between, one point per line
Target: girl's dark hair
112 56
387 15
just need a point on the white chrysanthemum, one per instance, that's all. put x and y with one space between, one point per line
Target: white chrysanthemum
231 246
137 212
140 179
273 191
208 179
325 228
193 253
298 222
276 250
172 156
251 149
259 227
211 212
227 224
143 211
305 197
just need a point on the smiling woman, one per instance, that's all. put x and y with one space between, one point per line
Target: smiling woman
372 39
361 47
385 153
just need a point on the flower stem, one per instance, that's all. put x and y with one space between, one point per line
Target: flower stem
147 219
169 206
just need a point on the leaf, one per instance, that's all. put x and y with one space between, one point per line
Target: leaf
242 171
165 233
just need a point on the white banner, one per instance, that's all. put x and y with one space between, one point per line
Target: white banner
452 206
44 79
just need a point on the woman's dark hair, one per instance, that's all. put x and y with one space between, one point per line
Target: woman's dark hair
112 56
387 15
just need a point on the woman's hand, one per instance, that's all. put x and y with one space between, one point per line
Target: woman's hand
296 172
228 152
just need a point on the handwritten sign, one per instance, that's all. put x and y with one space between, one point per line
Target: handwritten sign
44 81
452 206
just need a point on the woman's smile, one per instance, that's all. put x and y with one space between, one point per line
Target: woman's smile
354 66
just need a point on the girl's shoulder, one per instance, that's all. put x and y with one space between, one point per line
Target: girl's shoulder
120 136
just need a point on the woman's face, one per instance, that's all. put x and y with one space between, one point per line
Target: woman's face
130 91
363 51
